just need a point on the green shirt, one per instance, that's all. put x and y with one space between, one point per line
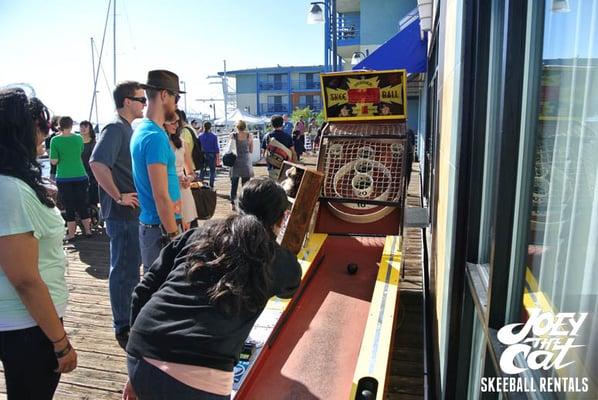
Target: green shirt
22 212
67 150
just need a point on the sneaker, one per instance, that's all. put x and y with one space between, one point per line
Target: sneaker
122 338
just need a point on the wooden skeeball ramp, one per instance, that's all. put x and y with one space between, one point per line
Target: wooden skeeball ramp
333 339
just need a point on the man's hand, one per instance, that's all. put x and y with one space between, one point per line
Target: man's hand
177 207
129 200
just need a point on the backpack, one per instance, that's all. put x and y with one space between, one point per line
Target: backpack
277 153
197 153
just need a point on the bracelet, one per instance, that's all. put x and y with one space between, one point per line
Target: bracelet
59 340
63 352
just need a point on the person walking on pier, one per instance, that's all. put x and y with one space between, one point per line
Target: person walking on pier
211 151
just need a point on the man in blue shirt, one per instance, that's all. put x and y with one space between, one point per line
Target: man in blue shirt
154 170
211 150
287 126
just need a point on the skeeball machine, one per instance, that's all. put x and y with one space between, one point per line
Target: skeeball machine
333 339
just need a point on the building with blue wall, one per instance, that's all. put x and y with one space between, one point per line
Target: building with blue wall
277 90
364 25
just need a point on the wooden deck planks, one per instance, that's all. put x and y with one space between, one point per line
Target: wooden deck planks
406 373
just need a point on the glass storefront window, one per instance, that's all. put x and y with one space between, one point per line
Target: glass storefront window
561 271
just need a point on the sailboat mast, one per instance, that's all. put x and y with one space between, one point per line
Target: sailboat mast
114 38
94 100
225 95
97 72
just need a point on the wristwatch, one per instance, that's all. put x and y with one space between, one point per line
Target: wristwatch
172 235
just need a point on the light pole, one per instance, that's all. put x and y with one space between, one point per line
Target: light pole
315 16
212 104
213 107
184 94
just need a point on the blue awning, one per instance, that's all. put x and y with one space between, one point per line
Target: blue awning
405 50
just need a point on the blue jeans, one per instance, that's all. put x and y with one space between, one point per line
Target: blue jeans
150 243
209 162
151 383
124 269
234 184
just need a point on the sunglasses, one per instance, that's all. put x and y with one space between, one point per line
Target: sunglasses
175 95
171 122
142 100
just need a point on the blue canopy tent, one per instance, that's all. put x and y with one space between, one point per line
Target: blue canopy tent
405 50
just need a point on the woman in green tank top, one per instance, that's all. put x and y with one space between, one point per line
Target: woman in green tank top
71 178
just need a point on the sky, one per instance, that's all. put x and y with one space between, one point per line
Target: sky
47 45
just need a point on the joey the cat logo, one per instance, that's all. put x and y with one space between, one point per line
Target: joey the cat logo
546 342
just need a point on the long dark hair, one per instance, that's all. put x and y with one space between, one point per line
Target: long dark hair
92 134
264 198
175 137
20 118
233 257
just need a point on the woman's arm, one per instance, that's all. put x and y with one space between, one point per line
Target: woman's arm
19 261
250 142
188 164
53 153
286 273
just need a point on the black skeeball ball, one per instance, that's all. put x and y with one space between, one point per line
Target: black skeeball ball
367 395
352 268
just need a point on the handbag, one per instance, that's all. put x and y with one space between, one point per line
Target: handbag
230 155
205 201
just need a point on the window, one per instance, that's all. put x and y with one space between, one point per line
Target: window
276 82
561 265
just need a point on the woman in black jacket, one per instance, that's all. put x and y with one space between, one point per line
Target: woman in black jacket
197 304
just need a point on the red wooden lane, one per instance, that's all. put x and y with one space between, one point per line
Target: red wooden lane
315 353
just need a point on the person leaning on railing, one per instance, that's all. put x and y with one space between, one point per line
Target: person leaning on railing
34 347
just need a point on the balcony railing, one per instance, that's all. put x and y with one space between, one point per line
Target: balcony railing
306 85
270 85
313 106
266 108
348 29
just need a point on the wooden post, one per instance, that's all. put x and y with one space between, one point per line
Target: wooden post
303 200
